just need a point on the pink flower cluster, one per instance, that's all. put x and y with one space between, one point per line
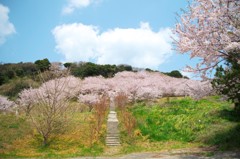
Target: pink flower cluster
210 31
136 86
5 104
141 86
50 92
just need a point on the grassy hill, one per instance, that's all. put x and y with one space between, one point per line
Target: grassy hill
183 123
159 125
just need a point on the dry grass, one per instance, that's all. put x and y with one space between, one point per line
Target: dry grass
74 142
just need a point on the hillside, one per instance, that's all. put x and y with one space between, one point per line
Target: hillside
15 77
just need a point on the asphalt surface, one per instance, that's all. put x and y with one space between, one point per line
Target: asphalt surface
173 155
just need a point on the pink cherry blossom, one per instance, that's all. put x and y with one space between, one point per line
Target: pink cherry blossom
135 85
50 92
208 31
5 104
141 86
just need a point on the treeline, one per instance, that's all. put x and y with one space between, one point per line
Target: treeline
86 69
175 73
11 71
14 77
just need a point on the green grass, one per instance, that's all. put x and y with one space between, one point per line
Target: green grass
19 140
12 128
180 123
186 123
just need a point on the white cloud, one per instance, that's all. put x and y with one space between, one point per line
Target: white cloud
188 74
76 4
191 75
6 28
139 47
76 41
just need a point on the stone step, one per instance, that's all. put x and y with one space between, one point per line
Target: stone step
111 126
112 141
113 131
113 144
112 138
111 123
113 134
113 120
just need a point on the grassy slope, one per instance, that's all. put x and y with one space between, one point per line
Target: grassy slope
180 123
185 123
17 140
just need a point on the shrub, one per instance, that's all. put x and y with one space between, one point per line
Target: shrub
15 86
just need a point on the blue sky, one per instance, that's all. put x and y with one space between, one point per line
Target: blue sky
135 32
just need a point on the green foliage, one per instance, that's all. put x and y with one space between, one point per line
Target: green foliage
227 80
187 120
124 68
15 86
67 65
11 71
149 70
87 69
174 73
3 78
43 64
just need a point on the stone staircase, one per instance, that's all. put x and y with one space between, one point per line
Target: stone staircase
112 138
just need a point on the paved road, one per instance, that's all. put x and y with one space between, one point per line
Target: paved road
172 155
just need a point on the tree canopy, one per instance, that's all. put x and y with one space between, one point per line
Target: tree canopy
43 64
209 30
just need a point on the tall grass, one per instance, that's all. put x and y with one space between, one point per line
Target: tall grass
179 123
18 139
189 121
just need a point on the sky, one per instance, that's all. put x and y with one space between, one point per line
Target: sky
134 32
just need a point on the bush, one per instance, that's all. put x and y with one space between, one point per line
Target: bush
15 86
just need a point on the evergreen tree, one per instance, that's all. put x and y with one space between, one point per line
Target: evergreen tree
227 80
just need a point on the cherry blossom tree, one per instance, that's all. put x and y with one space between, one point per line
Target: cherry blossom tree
209 30
5 104
139 86
63 88
27 99
89 99
48 106
198 90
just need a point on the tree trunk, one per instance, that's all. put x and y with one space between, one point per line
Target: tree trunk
45 140
237 108
168 99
